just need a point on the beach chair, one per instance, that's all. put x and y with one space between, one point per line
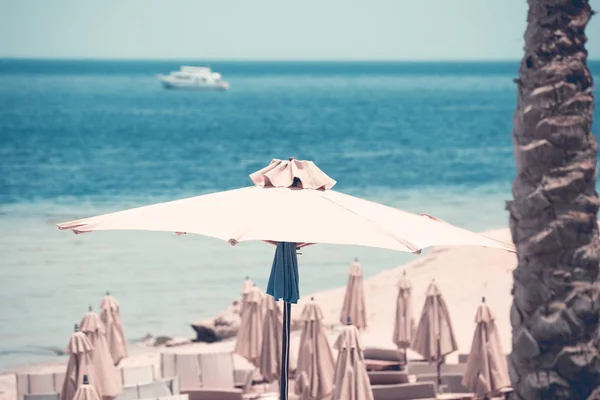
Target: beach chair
174 397
184 366
375 353
387 377
128 393
39 383
150 390
405 391
217 370
42 396
215 394
383 359
136 375
418 368
451 381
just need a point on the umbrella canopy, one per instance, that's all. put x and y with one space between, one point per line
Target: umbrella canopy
107 379
276 210
354 300
434 337
350 379
110 314
315 365
86 391
270 356
249 338
80 363
404 325
487 371
291 205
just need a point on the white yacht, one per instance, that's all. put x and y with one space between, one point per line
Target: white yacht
196 78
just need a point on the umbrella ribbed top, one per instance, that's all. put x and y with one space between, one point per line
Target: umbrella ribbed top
91 322
312 312
282 174
404 284
254 295
247 286
349 338
433 290
79 343
109 303
355 269
484 314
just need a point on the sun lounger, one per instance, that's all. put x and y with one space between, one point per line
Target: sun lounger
215 394
405 391
373 353
184 366
174 397
217 370
156 389
452 381
387 377
418 368
39 383
42 396
137 375
377 359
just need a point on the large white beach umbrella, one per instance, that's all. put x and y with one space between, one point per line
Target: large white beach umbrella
291 205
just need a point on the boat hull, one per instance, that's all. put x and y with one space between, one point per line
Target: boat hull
207 87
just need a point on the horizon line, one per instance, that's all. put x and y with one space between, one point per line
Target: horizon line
282 60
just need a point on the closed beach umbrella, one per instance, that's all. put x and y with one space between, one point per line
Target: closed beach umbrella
86 391
291 205
404 325
434 337
110 314
249 338
350 379
107 379
315 368
354 300
80 363
246 286
487 371
270 356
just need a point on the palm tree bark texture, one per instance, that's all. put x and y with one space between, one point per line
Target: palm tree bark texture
553 216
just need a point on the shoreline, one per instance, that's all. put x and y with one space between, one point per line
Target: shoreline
464 275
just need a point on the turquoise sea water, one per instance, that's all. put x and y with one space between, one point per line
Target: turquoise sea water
78 138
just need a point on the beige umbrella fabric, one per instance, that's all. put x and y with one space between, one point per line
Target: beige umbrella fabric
350 379
270 357
86 391
249 337
80 363
110 314
404 326
354 300
434 324
107 379
315 367
487 371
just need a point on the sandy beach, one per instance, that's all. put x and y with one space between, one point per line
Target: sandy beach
463 274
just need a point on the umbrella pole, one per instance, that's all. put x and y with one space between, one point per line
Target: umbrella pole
285 351
439 364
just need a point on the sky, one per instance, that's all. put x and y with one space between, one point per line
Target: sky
269 29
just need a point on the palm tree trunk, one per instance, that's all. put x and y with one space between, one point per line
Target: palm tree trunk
553 217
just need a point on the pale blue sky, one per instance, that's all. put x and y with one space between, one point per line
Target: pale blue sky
269 29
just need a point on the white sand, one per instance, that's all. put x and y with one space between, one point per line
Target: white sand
463 274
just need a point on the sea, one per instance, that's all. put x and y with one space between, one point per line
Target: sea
81 138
